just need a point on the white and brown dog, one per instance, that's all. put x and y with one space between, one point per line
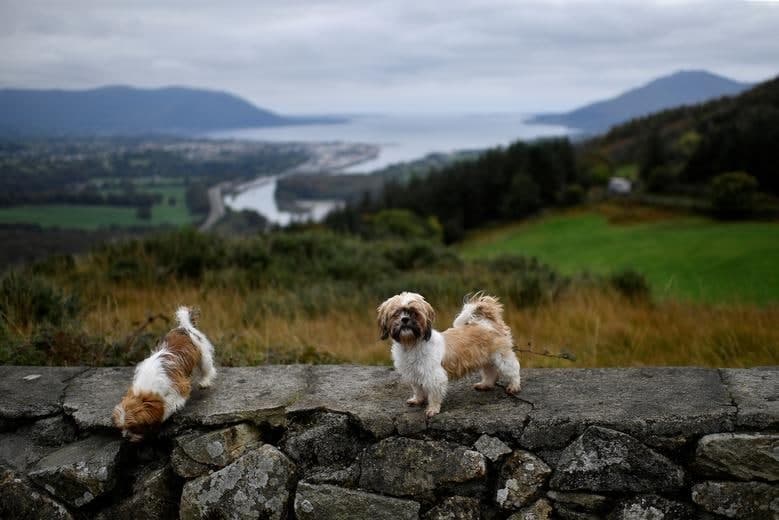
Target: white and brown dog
427 359
162 382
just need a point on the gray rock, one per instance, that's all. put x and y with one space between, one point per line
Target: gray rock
19 450
745 456
566 512
466 414
604 460
491 447
326 439
20 501
408 467
24 395
52 431
79 472
184 466
540 510
344 477
648 403
153 496
253 394
197 453
254 486
742 500
455 508
325 502
651 507
374 396
522 477
755 392
91 397
585 501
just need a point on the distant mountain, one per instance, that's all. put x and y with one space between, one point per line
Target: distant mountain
123 110
680 88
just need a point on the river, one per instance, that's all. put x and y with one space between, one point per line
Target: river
401 137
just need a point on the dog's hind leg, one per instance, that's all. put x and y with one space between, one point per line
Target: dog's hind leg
508 368
206 366
489 375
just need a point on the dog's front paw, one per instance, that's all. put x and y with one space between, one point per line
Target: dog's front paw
432 411
513 389
483 387
415 401
205 383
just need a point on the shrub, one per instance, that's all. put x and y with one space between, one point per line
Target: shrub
574 194
661 178
402 223
31 299
631 284
733 194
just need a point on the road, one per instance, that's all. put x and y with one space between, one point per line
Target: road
217 206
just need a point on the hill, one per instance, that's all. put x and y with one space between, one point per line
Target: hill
681 149
121 110
677 89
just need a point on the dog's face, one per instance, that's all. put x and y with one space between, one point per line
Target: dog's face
137 414
406 318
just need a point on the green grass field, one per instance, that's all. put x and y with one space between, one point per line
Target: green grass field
685 257
95 217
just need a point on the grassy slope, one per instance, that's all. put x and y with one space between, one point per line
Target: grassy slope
689 258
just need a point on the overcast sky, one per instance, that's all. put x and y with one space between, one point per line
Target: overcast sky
385 55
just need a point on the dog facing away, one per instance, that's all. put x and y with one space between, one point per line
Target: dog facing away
163 381
428 359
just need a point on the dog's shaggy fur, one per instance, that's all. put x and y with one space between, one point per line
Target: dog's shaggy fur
427 359
162 382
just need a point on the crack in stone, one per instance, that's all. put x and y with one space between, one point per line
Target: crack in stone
733 403
69 382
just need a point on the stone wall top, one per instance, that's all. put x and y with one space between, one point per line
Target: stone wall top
661 406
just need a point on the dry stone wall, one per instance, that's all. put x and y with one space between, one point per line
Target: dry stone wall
333 442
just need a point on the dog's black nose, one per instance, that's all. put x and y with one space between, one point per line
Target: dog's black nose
404 319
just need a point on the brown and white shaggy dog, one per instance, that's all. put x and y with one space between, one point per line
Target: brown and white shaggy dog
427 359
162 382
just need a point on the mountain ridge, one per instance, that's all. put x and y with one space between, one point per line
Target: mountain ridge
127 110
684 87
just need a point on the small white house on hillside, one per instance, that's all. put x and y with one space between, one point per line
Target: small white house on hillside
620 186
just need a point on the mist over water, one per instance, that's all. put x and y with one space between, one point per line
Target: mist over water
401 137
405 137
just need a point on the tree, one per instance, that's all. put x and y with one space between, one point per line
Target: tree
733 194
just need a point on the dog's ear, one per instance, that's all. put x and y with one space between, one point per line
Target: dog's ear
428 333
429 317
382 319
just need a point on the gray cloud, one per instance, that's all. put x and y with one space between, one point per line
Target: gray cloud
340 56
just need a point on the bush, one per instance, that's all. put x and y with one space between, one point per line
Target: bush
661 178
631 284
30 299
733 195
402 223
574 194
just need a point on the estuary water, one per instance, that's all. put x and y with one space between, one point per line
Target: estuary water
401 138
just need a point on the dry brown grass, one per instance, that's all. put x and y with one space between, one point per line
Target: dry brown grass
600 327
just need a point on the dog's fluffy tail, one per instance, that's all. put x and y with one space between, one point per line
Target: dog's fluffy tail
482 309
187 317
